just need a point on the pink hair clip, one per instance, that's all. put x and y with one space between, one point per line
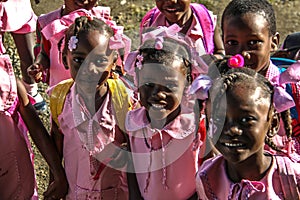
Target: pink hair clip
72 44
139 63
159 43
236 61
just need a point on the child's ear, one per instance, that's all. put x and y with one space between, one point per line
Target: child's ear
64 60
274 126
275 41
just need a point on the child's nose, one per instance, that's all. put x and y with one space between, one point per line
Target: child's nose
157 92
232 130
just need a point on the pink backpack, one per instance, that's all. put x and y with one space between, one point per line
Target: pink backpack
203 17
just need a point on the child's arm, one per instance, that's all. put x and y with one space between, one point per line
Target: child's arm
42 61
44 143
219 51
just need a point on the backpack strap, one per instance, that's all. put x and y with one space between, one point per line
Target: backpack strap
148 19
287 178
120 100
206 24
58 96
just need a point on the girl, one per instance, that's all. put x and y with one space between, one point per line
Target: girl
88 114
51 27
17 179
196 21
242 111
164 135
22 31
249 29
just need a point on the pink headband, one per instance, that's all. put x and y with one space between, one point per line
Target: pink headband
198 65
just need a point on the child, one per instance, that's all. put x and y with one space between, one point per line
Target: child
249 29
17 180
88 115
242 115
163 132
22 31
195 20
51 27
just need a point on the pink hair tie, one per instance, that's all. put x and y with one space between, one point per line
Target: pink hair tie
282 99
72 44
159 43
236 61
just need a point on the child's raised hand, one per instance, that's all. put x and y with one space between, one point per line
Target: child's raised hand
35 71
57 189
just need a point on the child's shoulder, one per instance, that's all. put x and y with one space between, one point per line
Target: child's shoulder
45 19
289 176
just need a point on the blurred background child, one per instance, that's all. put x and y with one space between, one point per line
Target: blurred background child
195 20
51 27
17 117
18 18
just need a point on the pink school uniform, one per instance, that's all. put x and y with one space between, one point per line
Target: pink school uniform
52 26
16 9
17 178
165 161
213 182
201 30
87 177
280 139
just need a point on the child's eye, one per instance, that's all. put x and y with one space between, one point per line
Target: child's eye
78 60
253 42
247 120
231 42
101 61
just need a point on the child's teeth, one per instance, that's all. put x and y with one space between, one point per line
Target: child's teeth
159 106
233 144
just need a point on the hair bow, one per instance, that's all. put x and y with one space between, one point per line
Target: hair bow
283 100
200 87
158 35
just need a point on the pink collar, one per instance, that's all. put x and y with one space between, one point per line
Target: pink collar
181 127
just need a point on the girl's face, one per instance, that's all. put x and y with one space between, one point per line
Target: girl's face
71 5
91 62
161 89
244 121
174 10
249 36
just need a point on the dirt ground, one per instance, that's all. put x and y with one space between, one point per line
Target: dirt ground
129 15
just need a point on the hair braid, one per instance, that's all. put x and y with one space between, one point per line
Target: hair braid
287 121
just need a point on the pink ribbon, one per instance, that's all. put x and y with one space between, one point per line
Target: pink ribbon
173 32
200 87
283 100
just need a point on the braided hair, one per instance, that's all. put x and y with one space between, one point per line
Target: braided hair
171 50
242 76
238 8
86 24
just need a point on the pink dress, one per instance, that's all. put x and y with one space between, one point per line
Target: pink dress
165 161
213 182
280 139
86 138
53 27
17 179
195 31
20 10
